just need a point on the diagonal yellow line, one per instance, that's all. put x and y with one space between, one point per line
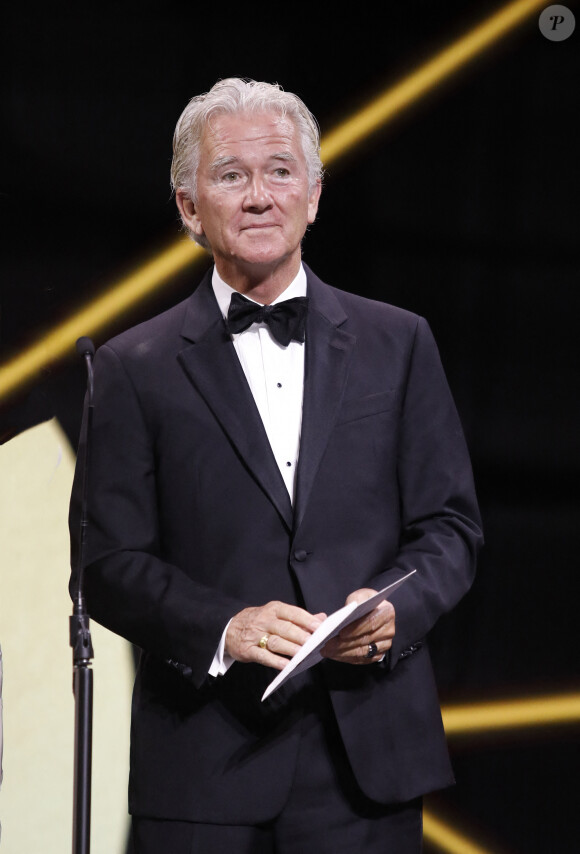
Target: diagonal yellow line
122 295
430 74
521 713
448 839
479 718
99 313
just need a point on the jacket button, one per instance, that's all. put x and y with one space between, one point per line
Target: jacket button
300 555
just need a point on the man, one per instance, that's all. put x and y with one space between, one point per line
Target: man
241 487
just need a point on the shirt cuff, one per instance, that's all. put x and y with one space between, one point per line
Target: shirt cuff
221 661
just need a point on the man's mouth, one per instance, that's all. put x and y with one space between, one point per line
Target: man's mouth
260 225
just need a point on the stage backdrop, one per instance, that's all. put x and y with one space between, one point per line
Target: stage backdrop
36 795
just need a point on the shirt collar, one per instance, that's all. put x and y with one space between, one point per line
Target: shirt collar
223 292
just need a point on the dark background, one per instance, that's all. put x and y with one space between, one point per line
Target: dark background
465 210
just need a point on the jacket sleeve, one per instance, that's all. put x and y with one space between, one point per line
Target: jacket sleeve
128 586
440 521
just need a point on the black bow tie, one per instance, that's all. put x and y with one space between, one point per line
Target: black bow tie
286 320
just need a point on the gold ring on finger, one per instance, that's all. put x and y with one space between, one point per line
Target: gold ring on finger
263 642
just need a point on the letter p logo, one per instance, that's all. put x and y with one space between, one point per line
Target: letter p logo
556 23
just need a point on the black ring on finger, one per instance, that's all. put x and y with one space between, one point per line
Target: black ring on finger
372 651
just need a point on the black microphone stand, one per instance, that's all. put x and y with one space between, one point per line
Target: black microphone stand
80 641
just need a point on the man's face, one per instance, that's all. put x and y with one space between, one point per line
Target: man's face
253 199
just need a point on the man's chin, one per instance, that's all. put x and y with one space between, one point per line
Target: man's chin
263 256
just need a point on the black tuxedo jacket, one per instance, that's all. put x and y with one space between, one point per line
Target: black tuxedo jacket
190 522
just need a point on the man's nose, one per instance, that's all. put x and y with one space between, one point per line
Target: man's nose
257 194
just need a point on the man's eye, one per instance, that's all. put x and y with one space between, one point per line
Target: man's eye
230 177
282 172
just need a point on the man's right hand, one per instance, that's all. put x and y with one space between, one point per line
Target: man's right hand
282 629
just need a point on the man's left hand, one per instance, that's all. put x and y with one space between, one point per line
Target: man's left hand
355 642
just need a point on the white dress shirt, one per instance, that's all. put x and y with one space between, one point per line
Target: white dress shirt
275 375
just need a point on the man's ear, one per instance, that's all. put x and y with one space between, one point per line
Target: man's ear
313 200
188 212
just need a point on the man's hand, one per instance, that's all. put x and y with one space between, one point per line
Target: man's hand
281 628
352 644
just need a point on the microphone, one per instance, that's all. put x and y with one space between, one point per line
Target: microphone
86 350
85 347
81 643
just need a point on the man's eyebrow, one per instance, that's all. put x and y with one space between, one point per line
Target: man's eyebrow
230 159
223 161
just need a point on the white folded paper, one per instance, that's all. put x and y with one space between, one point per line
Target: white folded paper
309 653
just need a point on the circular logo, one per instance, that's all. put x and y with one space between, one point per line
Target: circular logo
556 23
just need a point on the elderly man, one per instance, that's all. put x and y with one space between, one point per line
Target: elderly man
262 453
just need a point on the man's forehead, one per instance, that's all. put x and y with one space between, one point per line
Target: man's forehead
255 127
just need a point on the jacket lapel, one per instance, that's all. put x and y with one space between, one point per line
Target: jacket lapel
328 355
214 369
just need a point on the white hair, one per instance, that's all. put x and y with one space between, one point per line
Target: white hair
234 96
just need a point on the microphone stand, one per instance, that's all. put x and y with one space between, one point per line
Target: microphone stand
80 641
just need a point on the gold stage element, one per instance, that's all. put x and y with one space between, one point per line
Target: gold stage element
520 713
446 838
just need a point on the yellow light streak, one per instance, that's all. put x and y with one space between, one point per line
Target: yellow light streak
126 293
425 78
446 838
521 713
99 313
